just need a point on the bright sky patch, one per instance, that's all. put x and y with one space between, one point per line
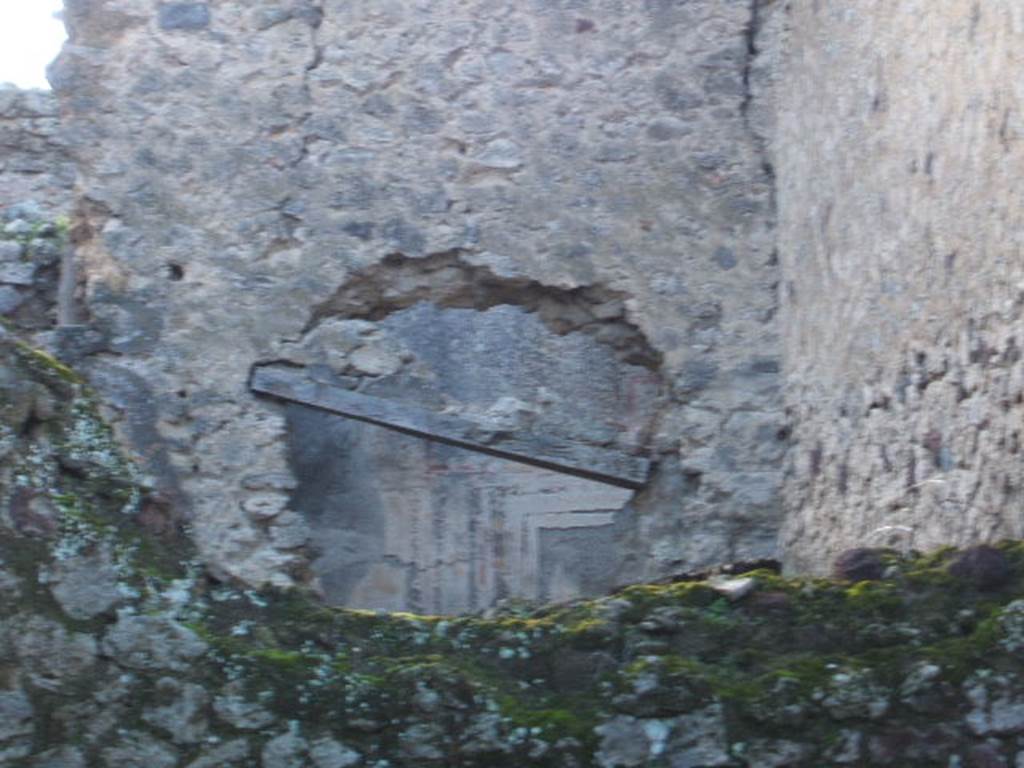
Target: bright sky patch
30 38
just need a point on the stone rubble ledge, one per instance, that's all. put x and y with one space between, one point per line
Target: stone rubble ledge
117 649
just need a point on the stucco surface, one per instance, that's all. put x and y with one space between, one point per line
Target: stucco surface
899 155
253 172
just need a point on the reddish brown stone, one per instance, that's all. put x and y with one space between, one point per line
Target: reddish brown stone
983 566
860 564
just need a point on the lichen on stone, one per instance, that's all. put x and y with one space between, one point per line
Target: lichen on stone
118 647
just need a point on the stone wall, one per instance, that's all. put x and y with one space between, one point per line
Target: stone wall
898 152
32 246
117 650
34 162
324 183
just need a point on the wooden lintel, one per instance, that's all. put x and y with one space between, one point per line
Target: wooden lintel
596 463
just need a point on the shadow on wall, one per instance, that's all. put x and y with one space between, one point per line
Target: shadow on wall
402 523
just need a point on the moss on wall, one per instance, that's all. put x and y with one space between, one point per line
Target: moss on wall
123 651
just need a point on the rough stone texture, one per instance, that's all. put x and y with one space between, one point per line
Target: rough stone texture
861 564
34 159
920 668
984 566
16 729
252 174
897 154
85 585
181 715
406 523
151 642
32 245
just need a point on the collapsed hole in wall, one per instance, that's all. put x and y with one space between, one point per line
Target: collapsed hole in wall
440 308
478 340
404 523
446 279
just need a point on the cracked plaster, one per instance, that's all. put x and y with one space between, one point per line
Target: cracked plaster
248 169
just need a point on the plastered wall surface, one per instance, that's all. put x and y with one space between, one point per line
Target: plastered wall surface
899 158
425 524
255 177
34 162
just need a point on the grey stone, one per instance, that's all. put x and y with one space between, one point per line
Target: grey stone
667 129
85 585
30 210
625 742
676 95
72 343
15 717
51 655
848 748
265 506
501 154
18 228
35 161
423 741
284 751
136 749
60 757
183 718
776 753
44 250
289 531
923 689
271 17
11 250
19 273
328 753
375 361
152 643
10 584
184 16
725 257
485 733
234 752
997 701
854 694
10 299
270 481
233 708
1011 622
688 741
699 739
696 375
405 237
360 229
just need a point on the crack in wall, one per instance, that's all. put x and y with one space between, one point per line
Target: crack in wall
753 32
756 122
750 34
